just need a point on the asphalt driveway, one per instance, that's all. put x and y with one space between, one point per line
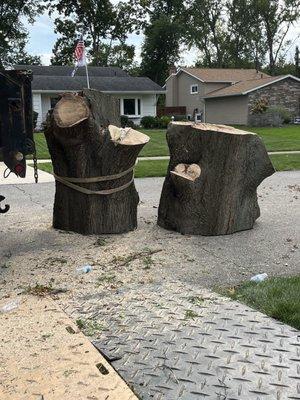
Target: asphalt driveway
28 241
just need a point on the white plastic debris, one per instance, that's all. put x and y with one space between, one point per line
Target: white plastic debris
84 269
12 305
259 277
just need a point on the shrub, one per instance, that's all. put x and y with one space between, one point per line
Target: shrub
149 122
164 121
34 118
285 115
126 122
43 126
260 106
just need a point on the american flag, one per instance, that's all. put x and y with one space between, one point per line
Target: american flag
79 54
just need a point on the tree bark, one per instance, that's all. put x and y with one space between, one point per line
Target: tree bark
213 174
84 143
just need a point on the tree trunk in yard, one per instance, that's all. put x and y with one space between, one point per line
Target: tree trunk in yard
93 164
213 174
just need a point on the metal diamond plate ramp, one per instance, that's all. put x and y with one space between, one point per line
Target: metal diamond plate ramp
174 341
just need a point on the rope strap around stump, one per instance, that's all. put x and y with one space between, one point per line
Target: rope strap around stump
70 182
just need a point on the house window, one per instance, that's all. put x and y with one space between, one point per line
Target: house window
194 89
131 107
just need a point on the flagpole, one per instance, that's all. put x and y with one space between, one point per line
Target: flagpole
87 75
86 67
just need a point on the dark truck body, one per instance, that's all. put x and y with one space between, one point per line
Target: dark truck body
16 119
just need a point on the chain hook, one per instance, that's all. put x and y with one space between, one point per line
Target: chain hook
6 207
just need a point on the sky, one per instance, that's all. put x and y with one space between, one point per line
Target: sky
42 39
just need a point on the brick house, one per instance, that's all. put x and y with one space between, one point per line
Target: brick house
227 96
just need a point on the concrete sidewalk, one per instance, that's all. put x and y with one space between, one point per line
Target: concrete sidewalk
46 177
15 180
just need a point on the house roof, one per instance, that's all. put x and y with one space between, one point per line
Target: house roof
107 79
245 87
65 70
112 84
222 74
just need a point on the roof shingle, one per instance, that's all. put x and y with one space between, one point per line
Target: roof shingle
224 74
65 70
241 88
106 79
105 84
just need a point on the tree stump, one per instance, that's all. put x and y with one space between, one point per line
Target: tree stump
93 163
213 174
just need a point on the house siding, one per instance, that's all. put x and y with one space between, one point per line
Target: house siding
37 107
172 92
185 98
178 92
227 110
285 94
148 105
42 104
46 105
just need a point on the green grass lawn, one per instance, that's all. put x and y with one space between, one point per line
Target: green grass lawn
157 145
276 139
152 168
277 297
41 146
144 169
284 138
286 162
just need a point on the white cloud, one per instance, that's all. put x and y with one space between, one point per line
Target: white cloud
41 38
46 57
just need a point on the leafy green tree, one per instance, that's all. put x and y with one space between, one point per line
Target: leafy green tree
160 49
226 33
276 18
97 20
240 33
163 24
63 50
246 46
119 55
21 57
205 30
13 35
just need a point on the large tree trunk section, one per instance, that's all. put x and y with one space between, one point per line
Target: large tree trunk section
213 174
86 146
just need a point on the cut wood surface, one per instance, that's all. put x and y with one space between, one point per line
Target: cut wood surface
70 111
93 161
213 174
44 356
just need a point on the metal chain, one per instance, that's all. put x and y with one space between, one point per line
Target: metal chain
31 149
35 166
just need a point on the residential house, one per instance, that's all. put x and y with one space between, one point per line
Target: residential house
138 95
227 96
